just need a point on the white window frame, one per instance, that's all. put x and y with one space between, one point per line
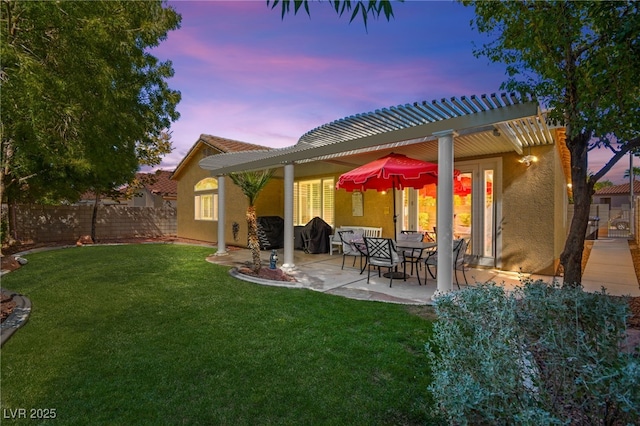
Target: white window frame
206 200
326 204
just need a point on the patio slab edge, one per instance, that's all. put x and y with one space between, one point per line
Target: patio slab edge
234 272
341 290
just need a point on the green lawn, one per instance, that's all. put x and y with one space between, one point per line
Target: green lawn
153 334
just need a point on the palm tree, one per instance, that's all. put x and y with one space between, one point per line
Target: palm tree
602 184
636 172
251 183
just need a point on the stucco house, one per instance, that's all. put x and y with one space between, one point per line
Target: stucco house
514 166
197 200
158 190
616 196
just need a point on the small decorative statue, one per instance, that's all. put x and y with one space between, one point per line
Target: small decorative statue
235 228
273 259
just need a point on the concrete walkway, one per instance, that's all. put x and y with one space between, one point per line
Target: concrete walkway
610 265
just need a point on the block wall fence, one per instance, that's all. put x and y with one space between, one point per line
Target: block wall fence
67 223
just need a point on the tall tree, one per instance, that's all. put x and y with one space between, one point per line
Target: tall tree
83 100
251 184
107 180
581 60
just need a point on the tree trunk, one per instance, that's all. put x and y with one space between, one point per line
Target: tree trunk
13 222
582 187
94 217
7 153
254 242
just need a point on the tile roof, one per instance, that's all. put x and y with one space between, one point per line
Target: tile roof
159 182
230 145
223 145
620 189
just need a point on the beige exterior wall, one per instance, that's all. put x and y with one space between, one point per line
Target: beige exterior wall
561 220
269 203
188 227
377 210
533 212
534 203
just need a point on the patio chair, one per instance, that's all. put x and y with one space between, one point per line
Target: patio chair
430 235
381 252
412 256
459 261
352 248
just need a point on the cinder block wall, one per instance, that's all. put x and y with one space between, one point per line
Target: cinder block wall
68 223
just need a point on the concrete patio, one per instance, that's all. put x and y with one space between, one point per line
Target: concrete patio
323 273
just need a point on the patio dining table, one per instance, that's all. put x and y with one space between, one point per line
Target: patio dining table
416 248
415 245
401 245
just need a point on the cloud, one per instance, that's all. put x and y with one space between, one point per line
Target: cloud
246 74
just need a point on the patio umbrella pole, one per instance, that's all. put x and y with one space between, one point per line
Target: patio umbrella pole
396 274
395 216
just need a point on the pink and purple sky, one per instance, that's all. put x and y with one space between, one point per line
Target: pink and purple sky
246 74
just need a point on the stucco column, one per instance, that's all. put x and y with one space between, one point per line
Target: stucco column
444 221
222 247
288 217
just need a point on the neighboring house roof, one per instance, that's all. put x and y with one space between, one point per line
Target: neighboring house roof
88 196
221 145
623 189
159 183
485 125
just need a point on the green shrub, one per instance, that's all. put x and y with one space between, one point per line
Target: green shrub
543 354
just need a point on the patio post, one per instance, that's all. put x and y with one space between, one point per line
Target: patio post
288 217
444 221
222 247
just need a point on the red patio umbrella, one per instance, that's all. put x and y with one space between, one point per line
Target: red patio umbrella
393 171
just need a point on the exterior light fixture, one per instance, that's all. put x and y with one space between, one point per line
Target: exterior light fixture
528 159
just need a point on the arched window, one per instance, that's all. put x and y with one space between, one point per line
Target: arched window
206 199
206 184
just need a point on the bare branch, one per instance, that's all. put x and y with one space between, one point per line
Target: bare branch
624 149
